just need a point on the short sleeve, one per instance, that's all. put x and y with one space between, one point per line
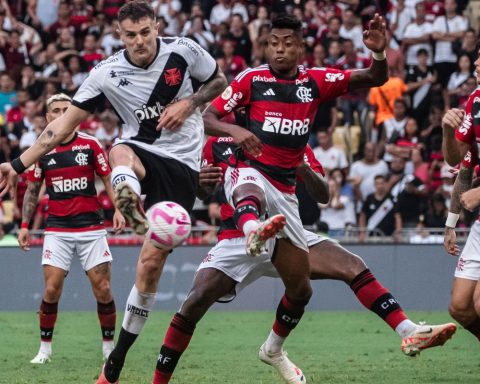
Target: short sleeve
465 132
101 164
236 95
202 66
207 156
310 159
90 93
332 82
35 174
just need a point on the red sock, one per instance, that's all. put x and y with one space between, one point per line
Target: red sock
375 297
176 341
246 210
288 316
48 317
107 315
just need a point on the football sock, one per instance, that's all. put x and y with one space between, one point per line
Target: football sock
287 318
176 340
122 173
48 317
474 328
107 315
246 215
378 299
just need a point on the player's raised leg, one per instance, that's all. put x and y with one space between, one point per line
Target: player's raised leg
209 285
54 278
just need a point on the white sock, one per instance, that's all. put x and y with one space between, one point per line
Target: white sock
274 343
138 307
46 347
122 173
406 328
107 347
249 226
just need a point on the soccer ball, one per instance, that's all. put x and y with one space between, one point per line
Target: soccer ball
169 225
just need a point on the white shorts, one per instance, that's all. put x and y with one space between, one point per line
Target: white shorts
468 265
229 256
91 247
277 202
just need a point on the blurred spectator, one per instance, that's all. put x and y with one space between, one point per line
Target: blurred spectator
352 30
334 53
379 215
91 55
446 188
67 85
466 90
326 120
230 63
363 172
109 7
111 41
15 53
239 34
437 212
168 9
261 18
162 26
76 67
328 155
420 167
64 21
201 35
391 125
447 32
339 176
400 17
417 36
332 33
258 48
224 10
469 47
456 81
8 95
15 114
45 10
432 131
82 14
420 79
46 64
402 144
108 130
30 83
195 11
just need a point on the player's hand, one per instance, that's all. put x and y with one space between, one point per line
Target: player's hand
8 180
471 199
374 36
24 239
450 242
118 222
247 140
210 176
453 118
175 114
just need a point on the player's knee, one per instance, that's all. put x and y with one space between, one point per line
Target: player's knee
352 268
250 191
52 293
102 291
198 298
301 293
461 311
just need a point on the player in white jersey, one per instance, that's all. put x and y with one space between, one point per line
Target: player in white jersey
151 86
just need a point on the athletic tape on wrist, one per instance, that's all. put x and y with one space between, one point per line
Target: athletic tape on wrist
18 166
452 219
379 56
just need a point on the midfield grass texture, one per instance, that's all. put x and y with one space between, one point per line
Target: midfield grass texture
330 347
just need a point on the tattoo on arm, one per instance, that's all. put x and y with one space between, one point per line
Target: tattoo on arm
210 90
46 140
462 184
374 76
30 201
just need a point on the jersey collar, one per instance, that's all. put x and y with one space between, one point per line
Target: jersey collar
283 77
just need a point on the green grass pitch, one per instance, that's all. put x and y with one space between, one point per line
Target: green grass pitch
330 347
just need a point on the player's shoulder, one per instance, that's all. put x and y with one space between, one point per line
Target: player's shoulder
475 96
109 62
181 45
261 73
86 140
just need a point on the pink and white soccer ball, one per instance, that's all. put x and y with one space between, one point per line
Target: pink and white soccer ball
169 224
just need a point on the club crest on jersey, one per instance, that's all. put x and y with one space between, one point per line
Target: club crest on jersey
173 77
149 112
81 158
304 94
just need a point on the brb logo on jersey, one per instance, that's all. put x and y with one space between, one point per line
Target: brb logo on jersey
69 185
285 126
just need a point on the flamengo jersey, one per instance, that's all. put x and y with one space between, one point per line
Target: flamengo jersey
139 96
469 131
280 113
69 173
217 151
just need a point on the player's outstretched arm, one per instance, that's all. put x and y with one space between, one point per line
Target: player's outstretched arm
118 219
453 150
208 180
315 184
461 185
30 201
375 39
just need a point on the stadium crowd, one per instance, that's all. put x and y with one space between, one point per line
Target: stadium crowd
381 150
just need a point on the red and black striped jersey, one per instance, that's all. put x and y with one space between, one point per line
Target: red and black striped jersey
280 112
69 172
217 152
469 131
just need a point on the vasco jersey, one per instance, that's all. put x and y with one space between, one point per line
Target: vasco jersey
139 96
217 152
69 172
280 113
469 131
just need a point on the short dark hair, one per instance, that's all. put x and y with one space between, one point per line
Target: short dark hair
378 177
284 21
136 10
422 51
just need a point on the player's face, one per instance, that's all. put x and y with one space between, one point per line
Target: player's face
140 40
284 50
57 109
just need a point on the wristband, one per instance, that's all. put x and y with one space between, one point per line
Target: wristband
18 166
24 225
379 56
452 219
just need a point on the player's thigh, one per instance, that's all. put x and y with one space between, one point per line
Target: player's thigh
329 260
462 297
92 249
58 250
243 182
100 276
122 154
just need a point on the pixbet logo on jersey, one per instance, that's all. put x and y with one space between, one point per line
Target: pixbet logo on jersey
69 185
148 112
285 126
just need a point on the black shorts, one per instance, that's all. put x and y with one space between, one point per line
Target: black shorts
166 179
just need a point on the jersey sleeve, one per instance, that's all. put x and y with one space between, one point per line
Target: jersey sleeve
471 158
35 174
90 93
207 155
331 82
101 164
202 66
465 132
235 96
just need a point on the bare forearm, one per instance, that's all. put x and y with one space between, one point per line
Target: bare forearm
214 126
30 201
210 90
316 186
462 184
374 76
453 150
